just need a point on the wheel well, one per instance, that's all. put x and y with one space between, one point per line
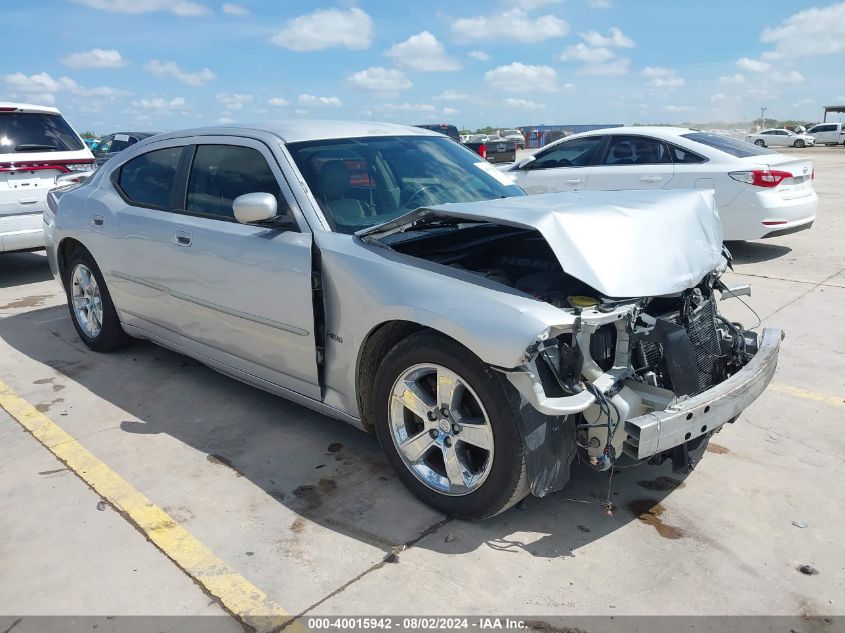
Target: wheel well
375 347
66 247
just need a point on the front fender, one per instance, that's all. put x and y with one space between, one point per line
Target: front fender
366 286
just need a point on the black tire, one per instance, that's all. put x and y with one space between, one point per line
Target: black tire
507 480
760 143
111 335
799 144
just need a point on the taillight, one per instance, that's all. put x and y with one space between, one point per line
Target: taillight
761 177
80 166
63 166
482 151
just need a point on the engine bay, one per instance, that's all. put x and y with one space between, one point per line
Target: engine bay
514 257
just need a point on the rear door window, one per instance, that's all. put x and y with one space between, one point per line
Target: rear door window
636 150
683 156
147 180
221 173
579 152
36 132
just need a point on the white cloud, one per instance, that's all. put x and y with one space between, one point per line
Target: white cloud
615 38
233 101
598 53
736 78
225 119
102 92
718 98
182 8
379 79
519 77
40 88
39 83
676 109
479 56
600 4
422 52
814 31
616 66
523 104
514 25
530 5
173 71
159 104
447 111
451 95
95 58
752 65
278 102
312 100
663 78
582 53
235 9
407 107
327 28
786 77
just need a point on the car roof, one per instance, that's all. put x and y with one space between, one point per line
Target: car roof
138 134
310 130
27 107
658 131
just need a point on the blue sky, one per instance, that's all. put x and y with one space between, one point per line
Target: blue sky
166 64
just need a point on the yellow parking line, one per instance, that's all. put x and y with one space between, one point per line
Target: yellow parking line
837 401
239 596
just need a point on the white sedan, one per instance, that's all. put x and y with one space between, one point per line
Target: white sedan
781 138
759 193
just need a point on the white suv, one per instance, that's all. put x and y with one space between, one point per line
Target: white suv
828 133
37 146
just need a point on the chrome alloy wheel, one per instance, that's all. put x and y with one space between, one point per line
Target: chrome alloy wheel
441 430
86 300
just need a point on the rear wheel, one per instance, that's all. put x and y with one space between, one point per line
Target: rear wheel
799 143
760 143
90 304
448 429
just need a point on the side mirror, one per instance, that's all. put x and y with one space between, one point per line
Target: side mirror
523 164
255 207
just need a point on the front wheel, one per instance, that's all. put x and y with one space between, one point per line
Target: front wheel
448 429
90 304
760 143
799 144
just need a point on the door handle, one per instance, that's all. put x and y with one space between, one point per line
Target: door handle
182 238
97 220
651 178
574 181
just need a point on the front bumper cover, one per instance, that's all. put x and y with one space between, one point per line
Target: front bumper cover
659 431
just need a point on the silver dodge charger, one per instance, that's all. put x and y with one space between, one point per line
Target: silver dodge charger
386 276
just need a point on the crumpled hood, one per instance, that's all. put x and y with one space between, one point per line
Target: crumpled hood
622 243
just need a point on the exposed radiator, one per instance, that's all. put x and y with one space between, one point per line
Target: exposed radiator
705 341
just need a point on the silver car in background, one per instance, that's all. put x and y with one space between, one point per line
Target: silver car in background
386 276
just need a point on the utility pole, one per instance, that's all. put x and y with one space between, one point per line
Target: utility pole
763 116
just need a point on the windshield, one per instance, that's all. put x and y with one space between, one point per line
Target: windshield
729 145
361 182
36 132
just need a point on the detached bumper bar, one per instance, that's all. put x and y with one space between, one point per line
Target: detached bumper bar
659 431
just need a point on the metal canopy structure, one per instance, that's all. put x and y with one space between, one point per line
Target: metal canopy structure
839 108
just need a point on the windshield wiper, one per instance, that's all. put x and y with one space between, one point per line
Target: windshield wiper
35 147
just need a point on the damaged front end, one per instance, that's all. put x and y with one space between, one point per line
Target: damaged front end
648 379
635 362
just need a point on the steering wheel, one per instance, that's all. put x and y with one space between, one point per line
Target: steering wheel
416 194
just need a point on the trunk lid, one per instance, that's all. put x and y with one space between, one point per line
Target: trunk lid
801 183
